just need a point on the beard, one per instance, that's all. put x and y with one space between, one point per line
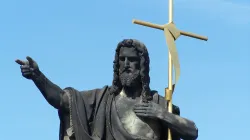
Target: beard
129 79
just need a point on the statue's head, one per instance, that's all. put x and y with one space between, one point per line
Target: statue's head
131 67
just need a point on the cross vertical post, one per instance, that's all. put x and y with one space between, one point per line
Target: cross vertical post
169 90
171 33
170 11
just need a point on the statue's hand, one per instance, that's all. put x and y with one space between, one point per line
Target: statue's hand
149 110
29 68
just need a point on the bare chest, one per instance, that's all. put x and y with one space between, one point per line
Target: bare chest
133 124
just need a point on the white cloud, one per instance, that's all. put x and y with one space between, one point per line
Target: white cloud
230 10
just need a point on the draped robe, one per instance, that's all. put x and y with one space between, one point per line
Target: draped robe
94 119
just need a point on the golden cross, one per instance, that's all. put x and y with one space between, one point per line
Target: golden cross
171 34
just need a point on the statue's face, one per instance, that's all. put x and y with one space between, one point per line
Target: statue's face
129 69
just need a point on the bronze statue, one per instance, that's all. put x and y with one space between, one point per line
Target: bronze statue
126 110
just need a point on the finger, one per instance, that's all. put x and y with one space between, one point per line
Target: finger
140 111
142 105
146 111
25 67
30 60
26 73
20 62
141 114
26 70
145 115
140 108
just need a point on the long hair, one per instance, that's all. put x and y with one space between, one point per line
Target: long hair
144 68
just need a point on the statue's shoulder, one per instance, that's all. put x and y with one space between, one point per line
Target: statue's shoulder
163 102
72 90
97 91
69 91
102 90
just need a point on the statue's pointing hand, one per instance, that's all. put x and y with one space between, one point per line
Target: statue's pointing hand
29 68
149 110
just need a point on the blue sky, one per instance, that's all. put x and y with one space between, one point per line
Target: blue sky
64 37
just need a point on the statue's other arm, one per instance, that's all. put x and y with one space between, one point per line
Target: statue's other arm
181 127
184 128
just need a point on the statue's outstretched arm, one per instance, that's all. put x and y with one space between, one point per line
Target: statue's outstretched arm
51 92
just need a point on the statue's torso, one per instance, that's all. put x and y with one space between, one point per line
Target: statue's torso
147 128
132 124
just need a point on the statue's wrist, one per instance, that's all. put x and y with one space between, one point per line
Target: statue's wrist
163 116
37 75
160 115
